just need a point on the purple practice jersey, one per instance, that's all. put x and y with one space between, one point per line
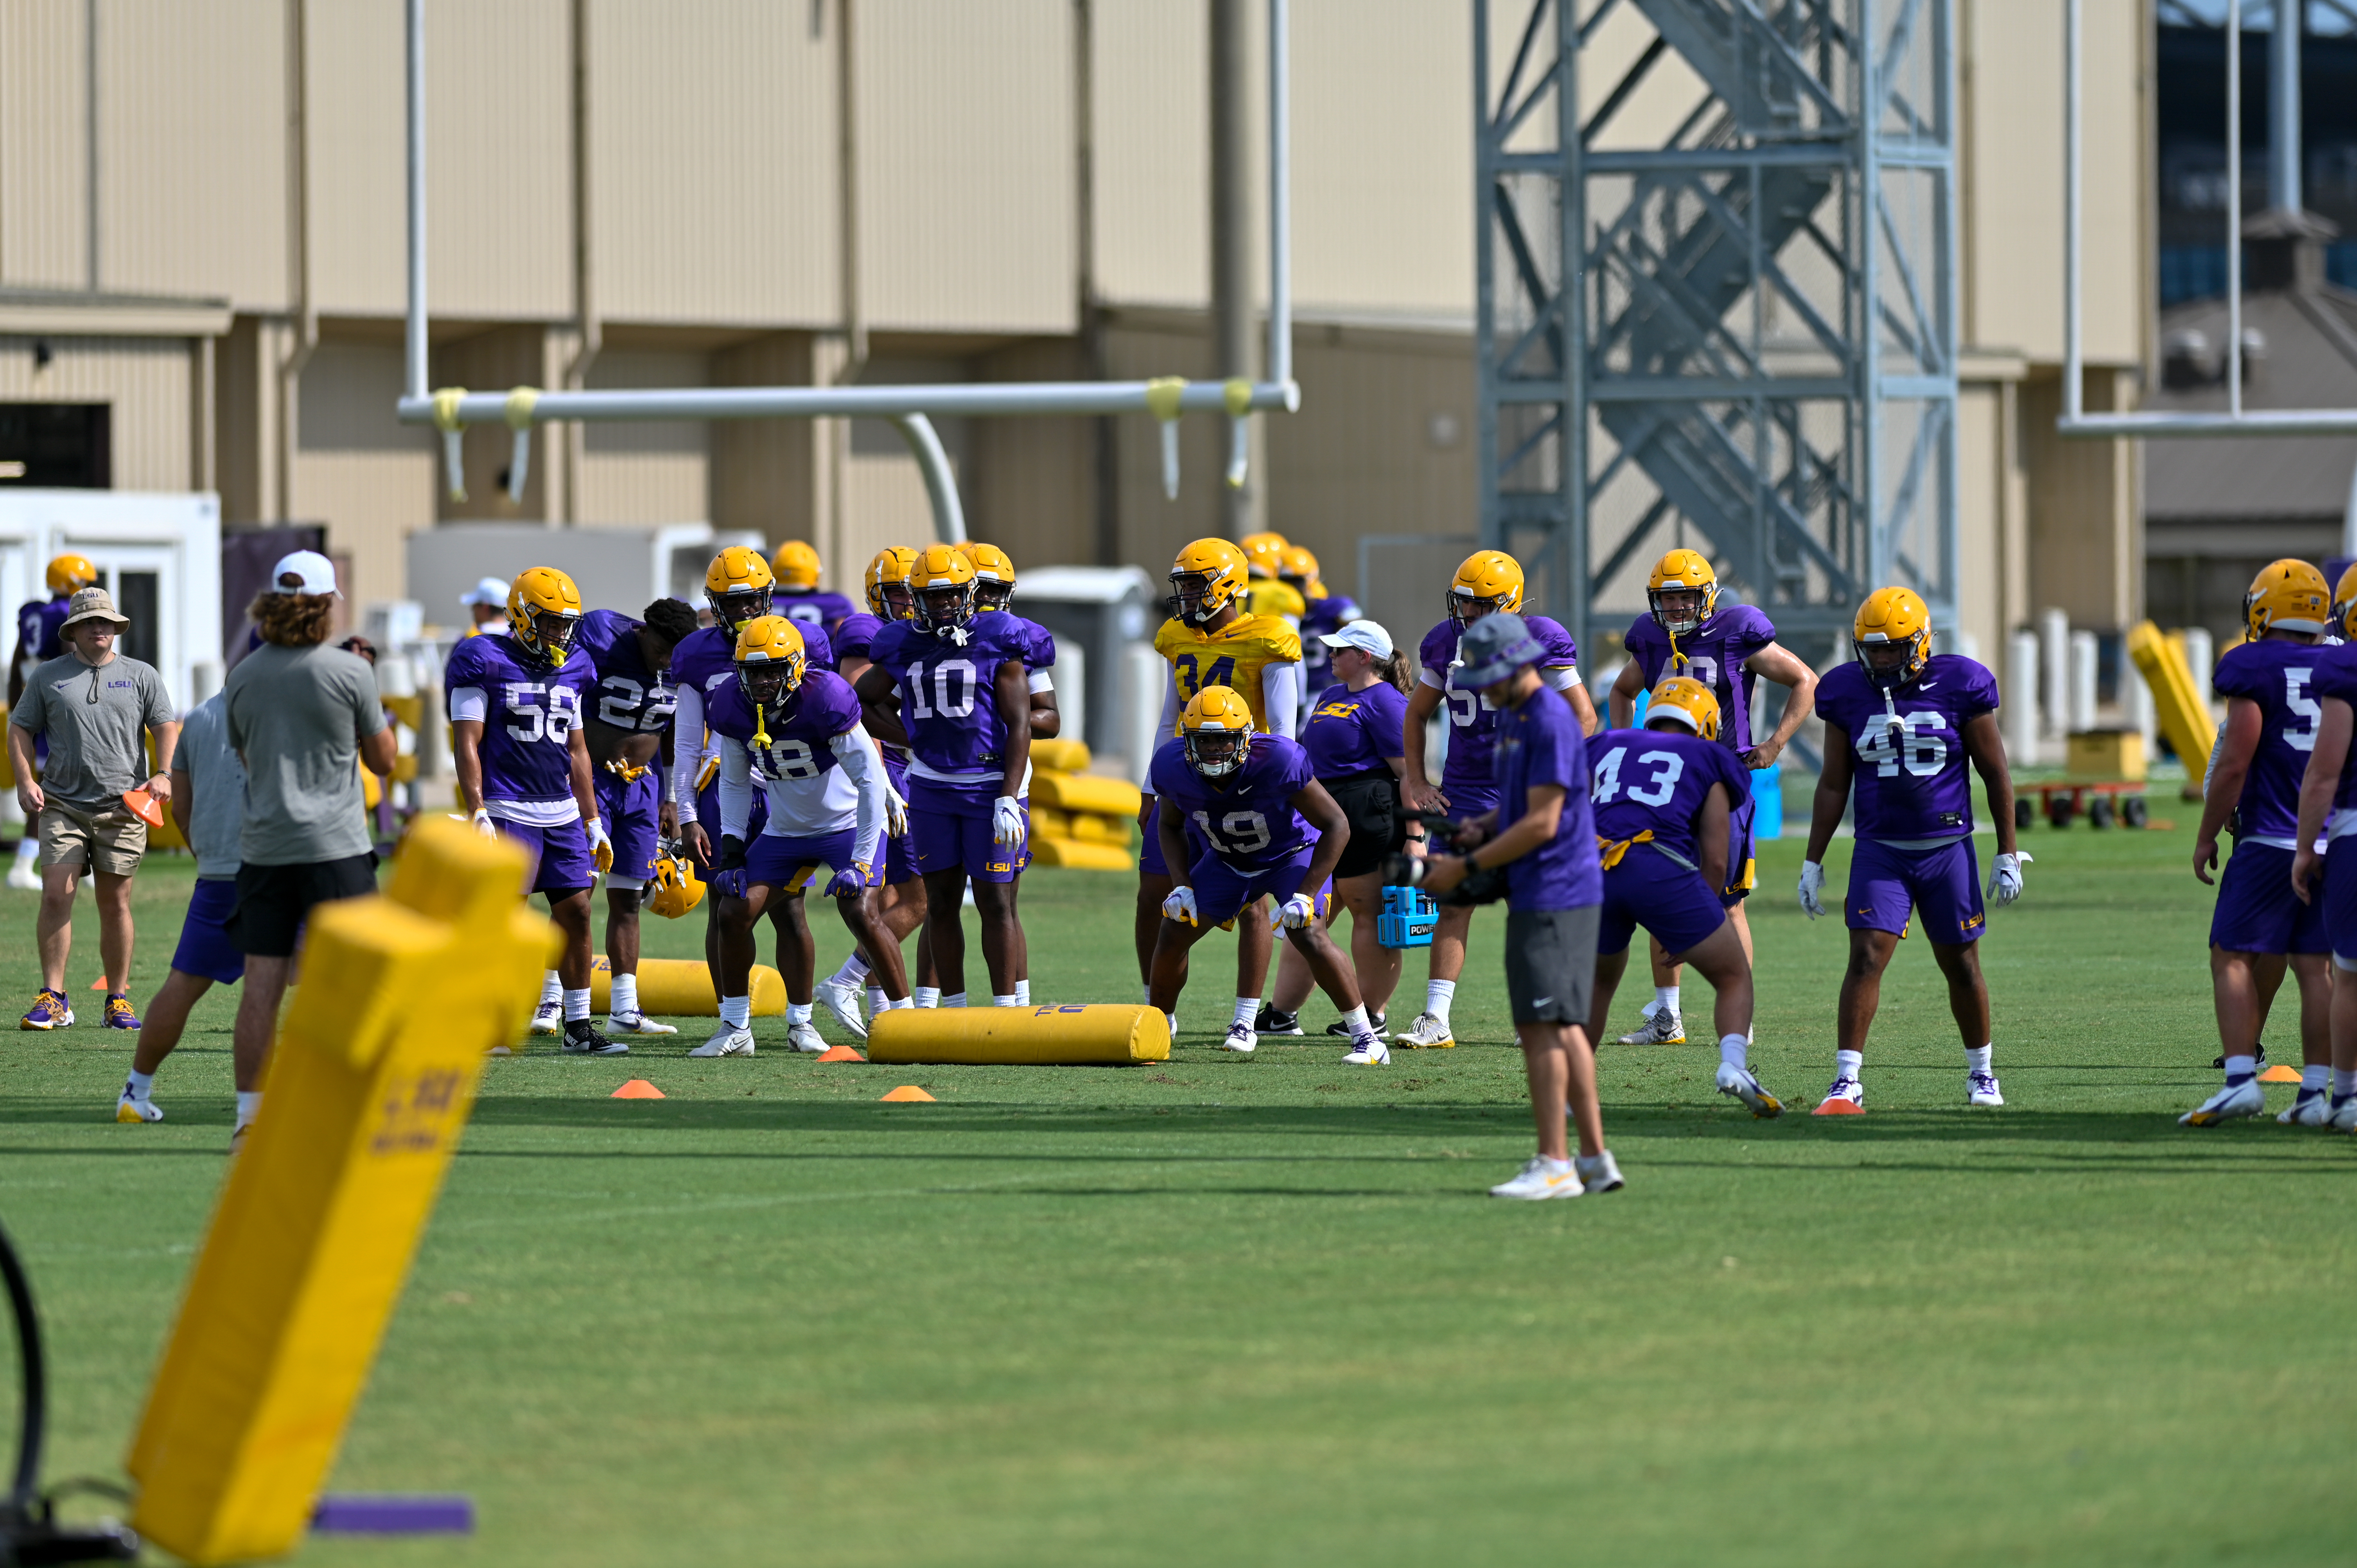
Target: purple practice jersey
1540 744
707 659
1319 616
1714 654
1472 722
1251 825
1910 781
629 696
1039 642
854 637
1659 780
1355 732
948 702
822 707
2336 676
815 608
40 624
2280 677
530 714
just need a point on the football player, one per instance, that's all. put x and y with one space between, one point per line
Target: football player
38 623
1666 798
1901 723
2260 926
522 759
1211 640
1490 581
950 686
1727 647
1245 797
1271 594
1321 613
993 591
827 806
2328 809
799 597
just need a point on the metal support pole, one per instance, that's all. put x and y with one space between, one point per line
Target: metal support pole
1232 281
2283 109
1571 586
415 382
941 479
2072 200
1869 341
2235 206
1280 194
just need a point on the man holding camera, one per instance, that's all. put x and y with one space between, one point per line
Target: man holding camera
1541 841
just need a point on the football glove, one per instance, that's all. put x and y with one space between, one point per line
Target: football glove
849 882
2005 877
728 868
1813 882
1180 906
484 825
896 811
1295 913
601 847
1007 823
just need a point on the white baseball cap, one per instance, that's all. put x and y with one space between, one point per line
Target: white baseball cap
312 573
490 591
1368 637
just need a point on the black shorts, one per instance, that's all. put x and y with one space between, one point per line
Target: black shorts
272 901
1551 963
1371 804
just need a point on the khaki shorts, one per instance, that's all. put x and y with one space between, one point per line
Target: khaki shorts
110 840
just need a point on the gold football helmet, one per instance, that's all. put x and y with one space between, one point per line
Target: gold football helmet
544 612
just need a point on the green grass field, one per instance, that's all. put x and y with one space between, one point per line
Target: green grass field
1261 1311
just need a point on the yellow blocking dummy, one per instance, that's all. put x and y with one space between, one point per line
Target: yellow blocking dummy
682 988
1098 1035
372 1080
2177 700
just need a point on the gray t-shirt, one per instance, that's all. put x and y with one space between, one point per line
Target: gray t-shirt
93 715
298 716
217 789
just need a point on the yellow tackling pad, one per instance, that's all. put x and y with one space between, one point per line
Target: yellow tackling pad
1098 1035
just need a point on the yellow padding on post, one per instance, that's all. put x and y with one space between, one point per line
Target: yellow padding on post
1236 394
371 1084
519 406
1162 394
1063 755
2184 718
682 988
1073 854
1099 1034
1085 792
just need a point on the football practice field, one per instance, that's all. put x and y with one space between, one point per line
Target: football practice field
1261 1312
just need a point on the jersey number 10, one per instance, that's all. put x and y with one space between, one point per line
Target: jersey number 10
954 685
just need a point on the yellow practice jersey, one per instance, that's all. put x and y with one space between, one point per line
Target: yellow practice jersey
1271 597
1233 657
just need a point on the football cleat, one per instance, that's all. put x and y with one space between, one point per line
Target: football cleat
583 1039
1241 1040
1341 1031
49 1012
1541 1178
635 1023
2312 1108
1272 1021
728 1040
1369 1050
24 879
2244 1098
805 1038
119 1015
843 1000
131 1108
1739 1083
1598 1173
1980 1089
2343 1116
548 1018
1426 1033
1663 1028
1846 1098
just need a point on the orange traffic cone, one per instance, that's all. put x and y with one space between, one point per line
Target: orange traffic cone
2279 1073
637 1089
840 1054
906 1093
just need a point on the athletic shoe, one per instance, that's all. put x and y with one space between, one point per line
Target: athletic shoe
2244 1098
1663 1028
24 879
1739 1083
548 1018
2344 1113
843 1000
1341 1031
1980 1089
49 1012
2258 1055
130 1108
2312 1108
728 1040
1598 1173
1426 1033
805 1038
1846 1098
1541 1178
583 1039
635 1023
119 1015
1274 1021
1241 1039
1369 1050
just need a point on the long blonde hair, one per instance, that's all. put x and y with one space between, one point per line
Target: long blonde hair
293 620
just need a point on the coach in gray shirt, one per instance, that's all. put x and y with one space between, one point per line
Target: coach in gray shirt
303 717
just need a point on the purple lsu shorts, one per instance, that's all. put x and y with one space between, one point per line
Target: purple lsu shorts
1149 858
1222 891
2258 912
1672 901
627 808
1469 797
901 853
1740 853
205 949
951 824
787 862
2340 902
707 811
1887 884
561 862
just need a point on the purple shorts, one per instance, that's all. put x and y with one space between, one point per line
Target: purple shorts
561 862
901 853
951 826
1468 796
627 808
1650 889
787 862
205 949
1222 892
1149 859
2258 912
1739 858
1886 885
2340 900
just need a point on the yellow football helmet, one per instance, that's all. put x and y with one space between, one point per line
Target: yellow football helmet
2344 601
71 574
2288 596
795 567
993 574
677 888
888 593
1205 579
1892 619
1216 730
943 582
1297 567
1682 700
1683 572
1264 553
737 586
770 659
1490 581
544 612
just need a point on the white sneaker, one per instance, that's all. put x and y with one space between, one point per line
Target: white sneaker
844 1002
635 1023
805 1038
130 1109
1739 1083
728 1040
1980 1089
1541 1178
2343 1116
548 1018
2245 1099
1663 1028
1599 1172
1241 1040
1846 1098
1368 1050
24 879
2312 1108
1426 1033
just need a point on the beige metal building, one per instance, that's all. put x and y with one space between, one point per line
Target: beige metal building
202 229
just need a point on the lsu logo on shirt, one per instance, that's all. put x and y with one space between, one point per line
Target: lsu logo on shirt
1336 711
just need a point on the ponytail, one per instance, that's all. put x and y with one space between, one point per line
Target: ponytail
1394 670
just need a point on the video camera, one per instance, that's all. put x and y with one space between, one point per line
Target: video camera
1403 870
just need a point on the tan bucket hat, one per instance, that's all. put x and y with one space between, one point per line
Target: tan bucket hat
94 603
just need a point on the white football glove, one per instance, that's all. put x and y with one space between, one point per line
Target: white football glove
1295 913
1180 906
601 847
1813 882
1006 821
484 825
2005 877
896 811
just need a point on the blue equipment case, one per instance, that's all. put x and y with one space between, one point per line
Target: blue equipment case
1408 919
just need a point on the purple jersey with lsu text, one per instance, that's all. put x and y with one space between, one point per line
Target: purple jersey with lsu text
948 693
40 628
1540 744
1912 782
800 747
2336 676
1355 732
1319 616
708 658
628 695
818 607
530 714
1251 825
2280 677
1714 654
1473 723
1658 780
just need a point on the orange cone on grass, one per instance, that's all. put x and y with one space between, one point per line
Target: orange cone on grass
906 1093
637 1089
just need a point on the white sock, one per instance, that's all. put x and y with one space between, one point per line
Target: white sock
2314 1077
1023 993
1733 1051
1979 1060
576 1005
1847 1063
1355 1020
1247 1009
29 849
1007 1002
625 999
927 996
1438 995
249 1106
877 1001
552 990
140 1083
797 1013
2344 1082
2239 1069
852 975
904 1002
954 999
736 1012
1667 996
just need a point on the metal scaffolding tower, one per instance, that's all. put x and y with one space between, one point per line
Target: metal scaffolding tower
1754 350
